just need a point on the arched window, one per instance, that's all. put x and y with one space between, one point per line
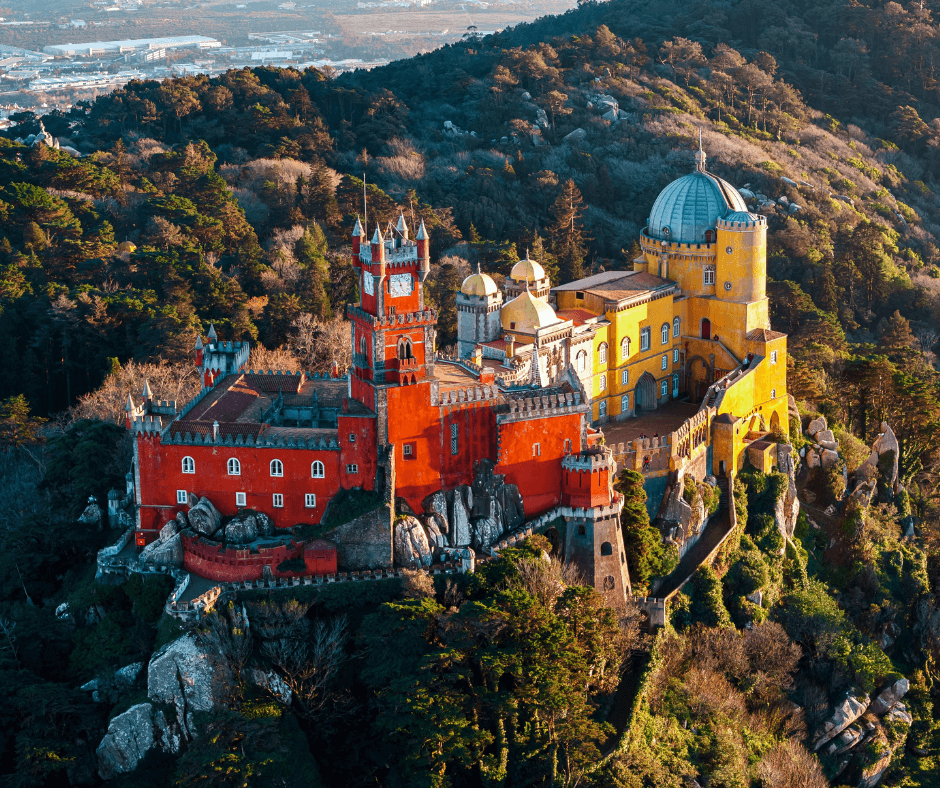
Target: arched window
602 353
582 361
189 465
607 549
625 403
317 471
581 531
665 361
663 388
709 236
664 333
234 467
277 468
602 410
404 348
625 348
676 325
362 345
603 383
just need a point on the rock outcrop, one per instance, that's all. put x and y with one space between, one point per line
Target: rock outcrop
890 697
205 518
131 736
92 513
365 542
787 507
167 549
270 681
845 714
248 526
412 548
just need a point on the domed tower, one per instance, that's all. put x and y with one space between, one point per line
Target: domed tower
527 274
478 305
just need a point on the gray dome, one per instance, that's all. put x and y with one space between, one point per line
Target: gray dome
689 206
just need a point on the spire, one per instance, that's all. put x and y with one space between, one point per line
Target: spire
212 335
700 155
199 345
377 236
357 230
422 233
401 226
129 407
148 394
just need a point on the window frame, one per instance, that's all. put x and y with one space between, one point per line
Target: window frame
277 500
646 338
536 449
708 276
234 466
675 355
602 353
314 469
182 497
310 500
624 377
664 362
276 467
664 333
624 402
602 382
773 356
241 499
624 348
352 468
581 361
676 327
602 409
189 465
664 388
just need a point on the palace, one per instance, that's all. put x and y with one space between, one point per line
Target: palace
512 427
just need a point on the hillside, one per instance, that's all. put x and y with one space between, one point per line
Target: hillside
231 200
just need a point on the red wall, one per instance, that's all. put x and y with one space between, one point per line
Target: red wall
161 476
411 419
476 424
232 565
586 489
538 478
360 451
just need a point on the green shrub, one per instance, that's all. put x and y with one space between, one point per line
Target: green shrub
148 594
707 606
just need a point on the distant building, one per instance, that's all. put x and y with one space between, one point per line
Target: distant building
93 48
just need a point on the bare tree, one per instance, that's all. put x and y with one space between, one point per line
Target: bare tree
309 666
321 345
789 765
280 358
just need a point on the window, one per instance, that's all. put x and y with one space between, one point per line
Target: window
454 439
567 445
675 356
241 499
579 296
582 361
581 531
709 275
675 326
404 348
352 437
773 393
624 377
310 500
663 388
602 353
625 348
602 383
182 496
664 362
664 333
625 403
408 451
675 385
353 468
189 465
277 468
773 360
602 410
645 339
278 501
536 449
607 549
234 467
317 471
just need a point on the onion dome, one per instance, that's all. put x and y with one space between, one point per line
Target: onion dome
692 205
526 313
479 284
527 271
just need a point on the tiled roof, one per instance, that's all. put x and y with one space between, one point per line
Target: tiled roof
272 383
764 334
577 316
618 285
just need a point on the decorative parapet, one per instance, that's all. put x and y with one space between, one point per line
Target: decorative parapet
588 462
422 317
756 220
488 394
319 443
539 406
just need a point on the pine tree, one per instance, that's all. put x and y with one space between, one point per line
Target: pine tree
646 555
539 252
568 241
897 337
310 251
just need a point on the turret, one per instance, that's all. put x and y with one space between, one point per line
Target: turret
356 239
213 337
199 351
148 393
378 253
402 228
424 259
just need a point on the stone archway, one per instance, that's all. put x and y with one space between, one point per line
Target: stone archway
644 395
774 422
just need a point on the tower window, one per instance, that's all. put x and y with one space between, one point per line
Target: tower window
645 339
352 468
579 296
581 530
664 333
310 500
607 549
317 471
404 348
602 410
675 385
234 467
189 465
454 439
602 353
773 393
663 388
408 451
182 496
625 348
709 275
675 356
277 468
676 325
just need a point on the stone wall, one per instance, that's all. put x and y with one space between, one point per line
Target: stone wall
366 542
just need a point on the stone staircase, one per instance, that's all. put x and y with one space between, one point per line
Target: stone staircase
723 488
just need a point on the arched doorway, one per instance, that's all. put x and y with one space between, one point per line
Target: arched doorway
644 397
774 422
706 328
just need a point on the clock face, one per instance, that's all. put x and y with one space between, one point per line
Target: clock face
400 285
367 283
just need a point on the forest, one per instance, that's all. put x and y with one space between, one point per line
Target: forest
230 201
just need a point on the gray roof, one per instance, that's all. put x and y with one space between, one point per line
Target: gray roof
690 206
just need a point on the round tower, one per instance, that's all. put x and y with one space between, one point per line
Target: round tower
478 304
741 264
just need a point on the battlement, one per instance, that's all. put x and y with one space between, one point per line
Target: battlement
531 407
591 461
427 316
736 224
314 442
488 394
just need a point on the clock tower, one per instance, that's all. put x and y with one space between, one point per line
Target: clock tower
392 330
